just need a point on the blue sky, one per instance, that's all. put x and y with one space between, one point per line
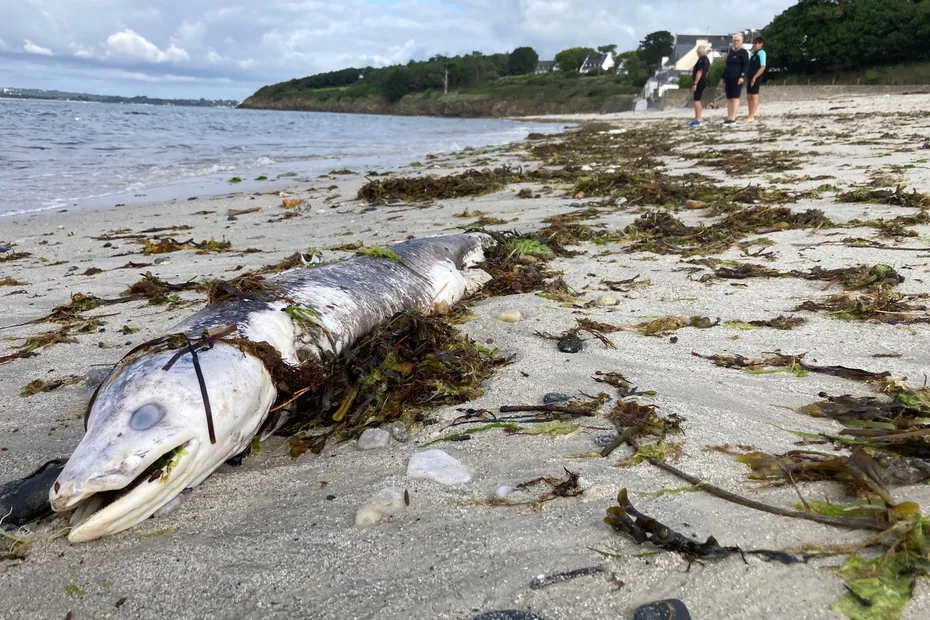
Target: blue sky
229 48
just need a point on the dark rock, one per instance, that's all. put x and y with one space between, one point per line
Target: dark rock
556 397
108 245
192 198
95 376
72 268
604 440
162 260
671 609
570 345
23 501
507 614
232 218
6 248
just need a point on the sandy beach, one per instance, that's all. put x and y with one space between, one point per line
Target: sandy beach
276 536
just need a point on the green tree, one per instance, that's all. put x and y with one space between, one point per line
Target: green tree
654 47
572 58
608 49
716 71
522 61
399 83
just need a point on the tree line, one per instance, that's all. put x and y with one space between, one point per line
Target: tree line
469 70
819 36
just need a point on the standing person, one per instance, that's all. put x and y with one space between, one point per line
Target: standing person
756 69
734 76
698 83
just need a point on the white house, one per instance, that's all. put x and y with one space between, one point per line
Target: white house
546 66
604 62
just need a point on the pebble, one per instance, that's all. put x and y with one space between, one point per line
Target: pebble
6 248
604 440
161 260
373 439
606 300
633 295
108 245
510 316
586 168
232 218
502 492
556 397
72 268
96 376
694 204
507 614
398 431
383 505
671 609
570 345
439 467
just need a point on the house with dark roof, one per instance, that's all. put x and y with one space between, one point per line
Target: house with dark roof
598 62
684 52
547 66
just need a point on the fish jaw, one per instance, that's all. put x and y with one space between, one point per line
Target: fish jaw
140 502
144 466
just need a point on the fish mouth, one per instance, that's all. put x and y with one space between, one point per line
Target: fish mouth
109 512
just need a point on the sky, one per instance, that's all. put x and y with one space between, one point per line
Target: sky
230 48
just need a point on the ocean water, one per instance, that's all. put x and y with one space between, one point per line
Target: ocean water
57 154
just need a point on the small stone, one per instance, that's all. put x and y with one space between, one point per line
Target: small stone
510 316
398 431
633 295
694 204
439 467
108 245
671 609
502 492
373 439
6 248
507 614
604 440
72 268
385 504
605 301
586 168
96 376
161 260
556 397
570 345
596 492
232 218
673 339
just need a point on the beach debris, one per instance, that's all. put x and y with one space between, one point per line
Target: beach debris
418 189
742 164
544 581
694 204
777 361
168 244
669 609
8 257
158 291
9 281
38 386
606 301
510 316
238 212
507 614
555 397
898 197
437 466
385 504
503 491
373 439
291 203
665 325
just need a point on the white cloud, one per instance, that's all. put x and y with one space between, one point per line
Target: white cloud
190 31
82 51
131 45
32 48
3 45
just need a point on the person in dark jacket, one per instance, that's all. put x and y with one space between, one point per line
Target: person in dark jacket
699 83
756 69
734 76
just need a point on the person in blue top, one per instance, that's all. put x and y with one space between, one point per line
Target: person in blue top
756 69
734 76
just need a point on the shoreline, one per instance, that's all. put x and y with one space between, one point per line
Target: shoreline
265 539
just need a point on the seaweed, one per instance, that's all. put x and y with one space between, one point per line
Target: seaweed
38 386
167 245
156 290
418 189
897 197
377 251
8 257
744 162
8 281
665 325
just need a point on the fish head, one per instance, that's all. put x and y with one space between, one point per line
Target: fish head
147 437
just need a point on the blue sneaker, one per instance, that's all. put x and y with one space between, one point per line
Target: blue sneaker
695 124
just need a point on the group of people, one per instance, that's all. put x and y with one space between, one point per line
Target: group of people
742 69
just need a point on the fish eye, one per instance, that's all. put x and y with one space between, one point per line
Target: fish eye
146 417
